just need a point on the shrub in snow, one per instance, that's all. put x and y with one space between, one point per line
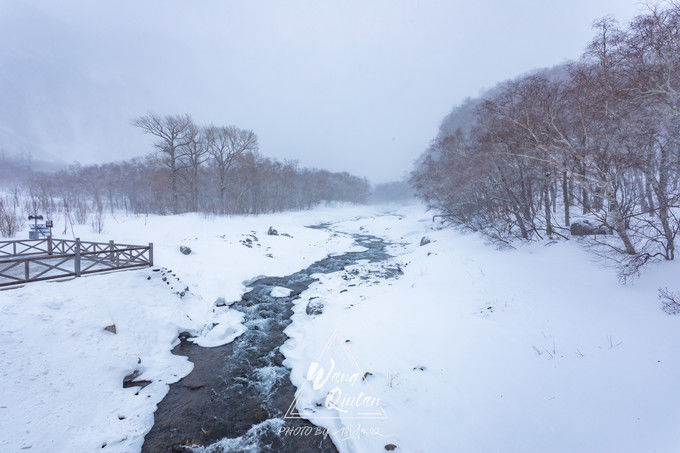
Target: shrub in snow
10 220
272 231
97 222
184 249
670 301
586 227
425 240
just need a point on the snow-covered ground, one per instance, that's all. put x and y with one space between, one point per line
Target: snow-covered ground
61 373
473 349
456 346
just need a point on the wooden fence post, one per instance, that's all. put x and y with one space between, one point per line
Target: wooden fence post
49 245
76 261
26 276
112 247
150 253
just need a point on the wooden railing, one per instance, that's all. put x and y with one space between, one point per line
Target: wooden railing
23 261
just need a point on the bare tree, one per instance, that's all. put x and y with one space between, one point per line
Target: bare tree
225 145
173 134
606 128
196 154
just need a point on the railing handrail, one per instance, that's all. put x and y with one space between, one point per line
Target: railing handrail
92 255
69 255
34 243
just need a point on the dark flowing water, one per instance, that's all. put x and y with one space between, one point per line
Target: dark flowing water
238 393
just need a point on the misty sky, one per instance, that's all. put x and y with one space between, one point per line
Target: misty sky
359 86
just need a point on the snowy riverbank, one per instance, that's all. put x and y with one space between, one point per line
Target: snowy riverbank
473 349
457 346
62 373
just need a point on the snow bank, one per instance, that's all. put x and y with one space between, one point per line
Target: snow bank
474 349
62 373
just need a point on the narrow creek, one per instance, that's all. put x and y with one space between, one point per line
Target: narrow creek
237 394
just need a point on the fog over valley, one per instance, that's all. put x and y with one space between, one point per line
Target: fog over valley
347 86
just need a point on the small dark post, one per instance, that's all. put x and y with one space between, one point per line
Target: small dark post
76 264
112 247
26 270
49 245
150 253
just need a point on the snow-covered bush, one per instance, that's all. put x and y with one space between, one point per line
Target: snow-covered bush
10 218
97 222
81 213
670 301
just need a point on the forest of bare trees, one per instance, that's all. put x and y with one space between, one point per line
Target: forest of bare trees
211 169
596 140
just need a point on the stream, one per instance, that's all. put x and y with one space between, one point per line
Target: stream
237 394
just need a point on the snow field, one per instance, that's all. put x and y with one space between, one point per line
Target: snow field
474 349
61 373
465 348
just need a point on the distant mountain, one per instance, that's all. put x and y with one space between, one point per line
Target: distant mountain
56 104
15 169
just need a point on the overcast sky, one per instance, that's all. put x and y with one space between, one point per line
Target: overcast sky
359 86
